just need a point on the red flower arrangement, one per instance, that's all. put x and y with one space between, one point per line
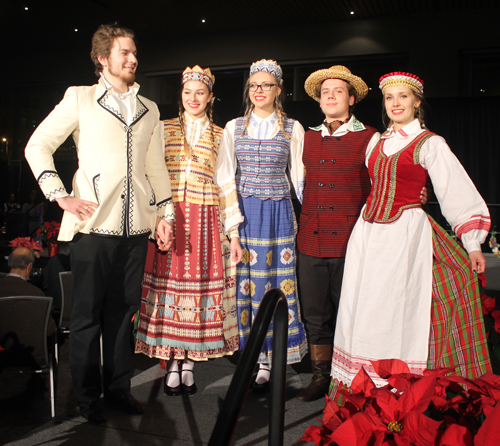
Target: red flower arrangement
25 242
433 409
49 231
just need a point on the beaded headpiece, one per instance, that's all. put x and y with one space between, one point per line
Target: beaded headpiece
336 72
199 74
399 78
267 66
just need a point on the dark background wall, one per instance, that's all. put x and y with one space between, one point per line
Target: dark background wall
456 52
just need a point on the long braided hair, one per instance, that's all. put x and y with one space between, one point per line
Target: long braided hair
278 107
186 151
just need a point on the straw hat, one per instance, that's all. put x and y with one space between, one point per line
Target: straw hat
401 78
336 72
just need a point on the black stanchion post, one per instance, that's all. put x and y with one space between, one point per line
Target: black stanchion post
273 300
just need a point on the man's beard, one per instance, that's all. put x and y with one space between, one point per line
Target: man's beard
124 75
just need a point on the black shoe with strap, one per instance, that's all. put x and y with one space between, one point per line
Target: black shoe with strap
172 391
189 390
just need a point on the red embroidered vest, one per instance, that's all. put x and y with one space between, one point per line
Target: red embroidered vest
396 181
337 184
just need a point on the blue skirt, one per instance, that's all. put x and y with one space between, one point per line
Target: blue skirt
267 237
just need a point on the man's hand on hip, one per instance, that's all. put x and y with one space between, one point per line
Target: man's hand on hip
77 206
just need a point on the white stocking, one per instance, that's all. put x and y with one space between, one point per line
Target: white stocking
172 377
264 373
187 375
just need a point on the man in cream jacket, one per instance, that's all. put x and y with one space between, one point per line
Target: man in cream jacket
121 195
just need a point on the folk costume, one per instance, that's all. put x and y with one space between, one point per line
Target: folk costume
409 291
337 185
120 167
254 161
188 305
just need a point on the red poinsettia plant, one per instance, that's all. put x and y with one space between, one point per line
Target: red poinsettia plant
25 242
49 231
433 409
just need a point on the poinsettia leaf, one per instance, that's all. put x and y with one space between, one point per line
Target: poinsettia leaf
356 431
419 396
387 367
315 434
456 435
438 402
482 279
495 314
488 304
403 381
419 429
489 433
388 405
362 383
331 415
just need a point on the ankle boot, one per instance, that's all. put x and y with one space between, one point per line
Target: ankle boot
321 360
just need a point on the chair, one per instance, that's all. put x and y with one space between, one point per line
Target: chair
66 281
2 275
24 325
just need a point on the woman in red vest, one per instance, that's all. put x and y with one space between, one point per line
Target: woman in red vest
409 290
188 309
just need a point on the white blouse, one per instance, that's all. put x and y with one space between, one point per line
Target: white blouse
460 202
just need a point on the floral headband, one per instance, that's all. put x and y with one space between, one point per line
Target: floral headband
267 66
399 78
199 74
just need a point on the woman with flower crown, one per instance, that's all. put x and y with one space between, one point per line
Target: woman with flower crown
410 291
261 154
188 309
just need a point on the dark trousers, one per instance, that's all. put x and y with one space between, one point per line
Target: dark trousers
320 282
107 279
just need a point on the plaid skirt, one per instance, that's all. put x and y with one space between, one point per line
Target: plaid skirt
457 338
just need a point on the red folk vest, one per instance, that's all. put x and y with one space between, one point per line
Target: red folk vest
396 181
337 184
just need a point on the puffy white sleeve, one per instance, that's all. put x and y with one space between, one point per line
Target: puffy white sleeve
371 146
295 164
224 177
461 204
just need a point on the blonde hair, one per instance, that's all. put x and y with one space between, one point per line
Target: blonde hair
278 107
419 111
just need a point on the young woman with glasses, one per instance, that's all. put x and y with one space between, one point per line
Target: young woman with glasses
188 310
260 153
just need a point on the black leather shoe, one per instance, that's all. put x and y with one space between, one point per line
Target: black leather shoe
124 402
171 391
189 390
260 388
91 410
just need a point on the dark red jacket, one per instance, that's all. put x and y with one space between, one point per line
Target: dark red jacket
337 185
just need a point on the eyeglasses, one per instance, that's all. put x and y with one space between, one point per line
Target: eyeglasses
264 87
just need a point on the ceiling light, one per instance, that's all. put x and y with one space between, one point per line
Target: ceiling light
352 12
202 20
25 8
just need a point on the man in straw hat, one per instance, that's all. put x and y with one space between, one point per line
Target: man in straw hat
336 188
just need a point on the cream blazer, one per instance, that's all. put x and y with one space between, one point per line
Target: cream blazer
121 167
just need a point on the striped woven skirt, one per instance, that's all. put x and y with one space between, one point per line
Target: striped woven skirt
267 237
188 306
457 336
